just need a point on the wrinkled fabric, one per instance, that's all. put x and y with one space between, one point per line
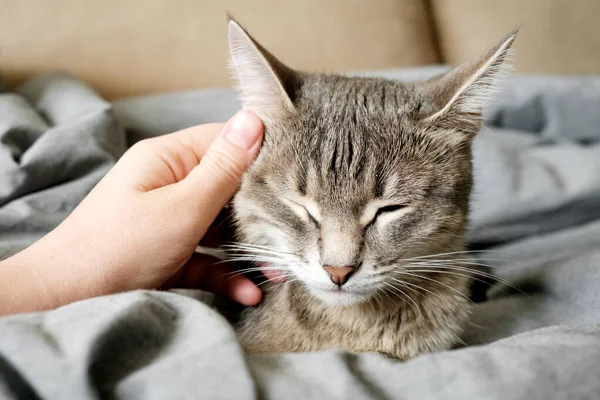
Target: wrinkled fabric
535 222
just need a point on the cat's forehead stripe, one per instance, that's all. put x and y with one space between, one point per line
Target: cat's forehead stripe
379 181
301 177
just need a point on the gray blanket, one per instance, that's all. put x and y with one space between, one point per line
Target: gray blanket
535 222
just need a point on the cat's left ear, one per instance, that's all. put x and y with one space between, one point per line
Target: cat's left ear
456 99
266 85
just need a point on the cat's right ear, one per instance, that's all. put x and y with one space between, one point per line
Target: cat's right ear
266 85
456 99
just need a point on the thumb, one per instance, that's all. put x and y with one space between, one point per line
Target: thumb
214 181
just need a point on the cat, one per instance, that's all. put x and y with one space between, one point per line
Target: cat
360 198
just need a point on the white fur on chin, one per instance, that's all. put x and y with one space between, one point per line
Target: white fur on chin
337 297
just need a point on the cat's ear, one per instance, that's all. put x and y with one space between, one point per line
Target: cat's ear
458 97
266 85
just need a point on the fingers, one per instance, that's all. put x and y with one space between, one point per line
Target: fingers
164 160
242 290
201 273
195 140
214 181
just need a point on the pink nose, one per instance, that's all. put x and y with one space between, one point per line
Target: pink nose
339 275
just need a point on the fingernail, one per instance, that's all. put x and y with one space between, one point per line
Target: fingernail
243 130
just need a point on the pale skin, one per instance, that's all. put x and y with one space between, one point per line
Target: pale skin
139 227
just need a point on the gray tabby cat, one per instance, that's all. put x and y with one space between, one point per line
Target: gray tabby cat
360 197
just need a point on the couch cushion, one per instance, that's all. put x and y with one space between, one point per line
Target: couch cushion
557 36
130 47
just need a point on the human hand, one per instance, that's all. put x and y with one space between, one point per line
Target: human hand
138 228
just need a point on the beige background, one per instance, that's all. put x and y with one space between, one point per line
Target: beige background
126 47
131 47
556 36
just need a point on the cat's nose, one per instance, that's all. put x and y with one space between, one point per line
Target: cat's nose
339 275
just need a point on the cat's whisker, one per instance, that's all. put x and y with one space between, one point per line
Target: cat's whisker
447 264
435 281
459 264
463 252
475 262
270 280
226 255
269 260
253 250
381 296
417 288
466 261
441 271
466 275
451 253
475 258
257 257
255 269
481 327
429 257
228 218
247 255
463 261
411 290
405 296
233 252
215 252
384 293
469 272
261 258
249 246
461 341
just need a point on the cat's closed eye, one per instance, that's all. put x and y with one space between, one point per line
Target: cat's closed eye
312 218
303 210
389 209
386 210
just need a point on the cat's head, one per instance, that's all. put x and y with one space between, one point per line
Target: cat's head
356 175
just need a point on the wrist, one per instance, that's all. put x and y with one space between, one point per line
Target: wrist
52 272
70 265
23 289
